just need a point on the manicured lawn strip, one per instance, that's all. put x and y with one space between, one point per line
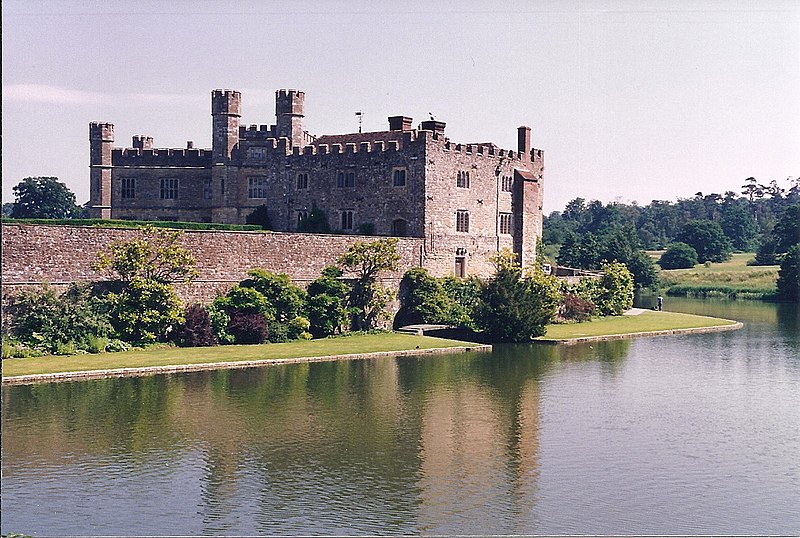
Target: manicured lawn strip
362 343
727 277
645 322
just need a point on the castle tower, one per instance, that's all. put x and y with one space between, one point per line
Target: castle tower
226 108
289 112
101 141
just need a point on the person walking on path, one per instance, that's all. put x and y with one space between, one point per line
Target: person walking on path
660 303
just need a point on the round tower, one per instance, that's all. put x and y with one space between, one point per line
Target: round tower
289 113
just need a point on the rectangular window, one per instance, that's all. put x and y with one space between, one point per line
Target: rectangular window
345 179
399 177
462 179
505 223
207 188
256 153
507 184
169 188
302 181
129 187
347 220
257 187
462 221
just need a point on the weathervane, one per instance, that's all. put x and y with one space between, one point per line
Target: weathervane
360 119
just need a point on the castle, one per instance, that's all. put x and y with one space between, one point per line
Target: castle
467 201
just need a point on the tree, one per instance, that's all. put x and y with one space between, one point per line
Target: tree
284 300
678 256
156 256
708 240
615 290
423 297
145 307
368 299
316 221
516 307
789 275
787 229
738 225
326 303
260 217
43 198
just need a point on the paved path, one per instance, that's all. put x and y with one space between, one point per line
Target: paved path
634 311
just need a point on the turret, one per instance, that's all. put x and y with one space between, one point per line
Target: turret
101 142
289 113
225 111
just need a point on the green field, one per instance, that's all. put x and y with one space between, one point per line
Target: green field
733 278
645 322
361 343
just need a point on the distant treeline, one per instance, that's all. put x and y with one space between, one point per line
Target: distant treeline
746 219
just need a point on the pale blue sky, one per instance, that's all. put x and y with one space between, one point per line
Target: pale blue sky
631 100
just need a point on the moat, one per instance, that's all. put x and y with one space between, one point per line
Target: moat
692 434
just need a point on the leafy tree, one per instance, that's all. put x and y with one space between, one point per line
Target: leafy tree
368 299
767 253
678 256
708 240
260 217
8 207
614 294
326 303
145 311
155 256
516 307
423 297
738 225
43 198
197 330
787 229
789 275
284 300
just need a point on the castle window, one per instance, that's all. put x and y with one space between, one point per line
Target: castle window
462 179
399 228
256 153
257 187
207 188
399 177
345 179
302 181
507 184
462 221
505 223
129 187
347 220
169 188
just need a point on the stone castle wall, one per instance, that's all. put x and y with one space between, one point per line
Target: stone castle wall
37 254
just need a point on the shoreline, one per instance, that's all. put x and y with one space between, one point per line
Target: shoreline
732 326
86 375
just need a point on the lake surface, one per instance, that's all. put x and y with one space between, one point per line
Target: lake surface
692 434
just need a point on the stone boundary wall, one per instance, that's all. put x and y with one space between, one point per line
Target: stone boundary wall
34 254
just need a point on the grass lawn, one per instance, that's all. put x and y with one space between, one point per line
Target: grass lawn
733 277
361 343
645 322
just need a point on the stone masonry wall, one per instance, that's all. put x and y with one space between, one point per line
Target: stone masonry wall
37 254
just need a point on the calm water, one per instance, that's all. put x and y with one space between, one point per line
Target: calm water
696 434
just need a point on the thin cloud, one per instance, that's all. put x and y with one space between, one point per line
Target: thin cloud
42 93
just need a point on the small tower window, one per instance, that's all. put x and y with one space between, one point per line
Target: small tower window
302 181
345 179
129 187
207 188
169 188
462 221
399 177
507 184
462 179
505 223
257 187
347 219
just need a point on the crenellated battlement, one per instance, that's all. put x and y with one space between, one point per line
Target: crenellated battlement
161 157
227 102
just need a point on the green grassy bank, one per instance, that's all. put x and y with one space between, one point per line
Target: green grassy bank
645 322
733 278
361 343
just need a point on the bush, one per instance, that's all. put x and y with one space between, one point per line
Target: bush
575 308
197 329
298 328
95 344
247 327
707 239
145 311
283 300
516 308
678 256
326 302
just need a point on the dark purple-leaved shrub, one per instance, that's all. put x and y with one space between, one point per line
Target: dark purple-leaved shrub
575 308
247 327
197 331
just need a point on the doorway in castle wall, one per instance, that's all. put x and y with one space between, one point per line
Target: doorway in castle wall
461 267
